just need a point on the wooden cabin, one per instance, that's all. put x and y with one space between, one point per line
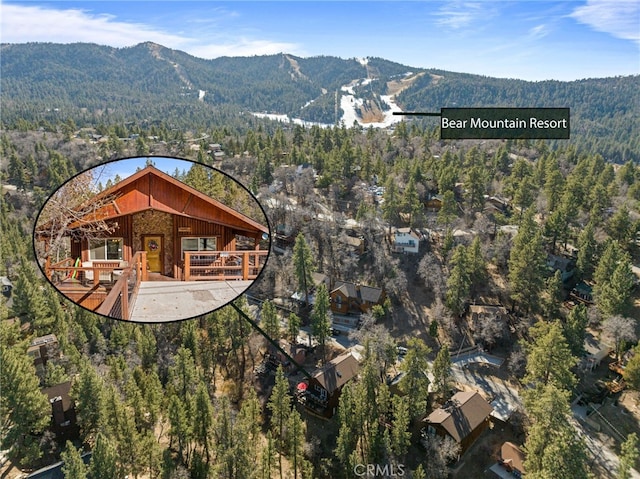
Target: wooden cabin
170 221
462 418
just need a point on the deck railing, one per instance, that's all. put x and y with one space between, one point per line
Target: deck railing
223 265
66 271
120 300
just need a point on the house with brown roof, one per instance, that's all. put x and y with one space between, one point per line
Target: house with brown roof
347 297
323 391
462 418
512 459
63 410
41 349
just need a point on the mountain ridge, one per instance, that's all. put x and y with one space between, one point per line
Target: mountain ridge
91 83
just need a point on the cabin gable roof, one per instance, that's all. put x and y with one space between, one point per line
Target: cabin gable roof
152 189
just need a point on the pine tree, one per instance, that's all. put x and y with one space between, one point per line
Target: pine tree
587 247
321 317
575 329
24 408
280 406
442 371
632 370
87 392
553 447
74 467
303 265
293 327
296 431
103 463
415 382
549 359
203 419
527 264
459 282
400 433
554 294
628 456
269 320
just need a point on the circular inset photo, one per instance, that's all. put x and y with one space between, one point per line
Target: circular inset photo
151 239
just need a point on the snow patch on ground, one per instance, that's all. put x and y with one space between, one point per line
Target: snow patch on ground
285 119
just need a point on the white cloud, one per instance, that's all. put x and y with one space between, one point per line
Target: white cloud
538 31
620 18
242 48
458 15
20 24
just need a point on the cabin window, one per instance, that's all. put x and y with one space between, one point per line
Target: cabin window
199 244
105 249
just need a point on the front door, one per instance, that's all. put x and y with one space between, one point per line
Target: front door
152 244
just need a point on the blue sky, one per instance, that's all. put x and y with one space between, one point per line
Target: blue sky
128 166
532 40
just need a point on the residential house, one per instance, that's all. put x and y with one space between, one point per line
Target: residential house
158 225
153 212
41 350
323 390
349 297
297 351
462 418
512 459
565 265
434 203
355 244
63 411
404 240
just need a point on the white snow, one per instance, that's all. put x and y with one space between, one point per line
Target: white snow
349 103
364 61
201 94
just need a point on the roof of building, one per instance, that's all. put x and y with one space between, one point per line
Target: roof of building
60 392
347 289
370 294
461 415
4 281
513 456
54 471
406 231
151 188
337 372
319 278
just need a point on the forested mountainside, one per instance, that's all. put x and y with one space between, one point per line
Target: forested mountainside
97 84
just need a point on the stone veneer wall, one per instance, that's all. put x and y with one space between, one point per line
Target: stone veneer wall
152 222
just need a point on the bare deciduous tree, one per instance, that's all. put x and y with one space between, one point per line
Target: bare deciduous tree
619 329
72 211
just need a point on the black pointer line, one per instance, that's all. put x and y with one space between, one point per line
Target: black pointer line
273 343
416 113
